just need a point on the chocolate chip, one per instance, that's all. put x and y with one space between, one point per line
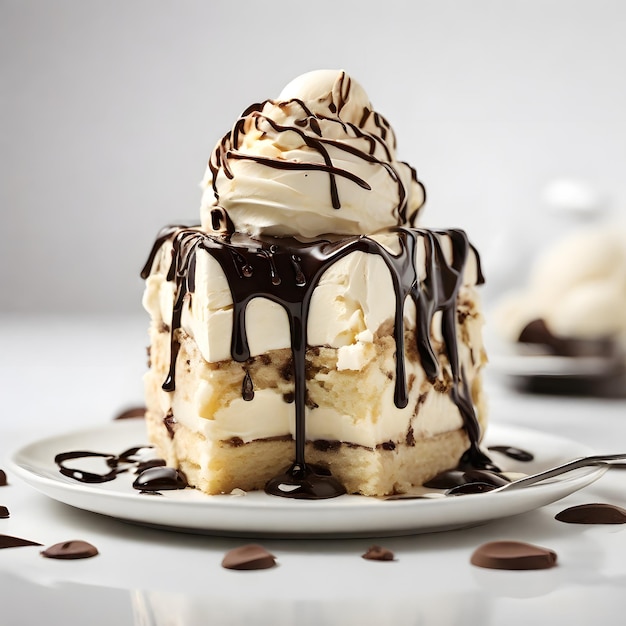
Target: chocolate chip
70 550
596 513
170 423
6 541
377 553
324 445
513 555
250 556
3 479
4 512
137 411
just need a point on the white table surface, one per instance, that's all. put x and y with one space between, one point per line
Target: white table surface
58 375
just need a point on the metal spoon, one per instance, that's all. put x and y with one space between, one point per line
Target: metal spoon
526 481
585 461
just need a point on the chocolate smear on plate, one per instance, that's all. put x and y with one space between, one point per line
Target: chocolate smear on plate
6 541
248 557
514 453
595 513
4 512
76 549
513 555
378 553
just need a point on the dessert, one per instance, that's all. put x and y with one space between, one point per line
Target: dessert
573 307
306 337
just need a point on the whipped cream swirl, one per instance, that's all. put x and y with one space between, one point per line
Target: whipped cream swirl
317 160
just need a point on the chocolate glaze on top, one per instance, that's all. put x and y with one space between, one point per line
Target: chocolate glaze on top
287 271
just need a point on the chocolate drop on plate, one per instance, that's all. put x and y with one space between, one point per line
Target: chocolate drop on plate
3 479
470 488
70 550
248 557
596 513
485 476
378 553
514 453
457 478
513 555
308 482
6 541
4 512
160 478
446 480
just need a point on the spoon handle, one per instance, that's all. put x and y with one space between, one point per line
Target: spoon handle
604 459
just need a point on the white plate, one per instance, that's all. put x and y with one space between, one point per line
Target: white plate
261 515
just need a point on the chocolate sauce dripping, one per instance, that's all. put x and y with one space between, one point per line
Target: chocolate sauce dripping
299 275
167 232
459 391
182 270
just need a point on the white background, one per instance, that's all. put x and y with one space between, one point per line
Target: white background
111 109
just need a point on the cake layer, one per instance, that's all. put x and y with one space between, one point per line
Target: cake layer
383 470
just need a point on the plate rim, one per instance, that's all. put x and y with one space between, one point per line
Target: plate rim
273 507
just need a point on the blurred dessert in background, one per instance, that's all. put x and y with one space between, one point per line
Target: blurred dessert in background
572 308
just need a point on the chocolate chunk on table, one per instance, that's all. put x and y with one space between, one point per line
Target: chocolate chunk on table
595 513
75 549
6 541
378 553
248 557
513 555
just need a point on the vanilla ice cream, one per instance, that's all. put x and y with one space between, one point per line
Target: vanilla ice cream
577 288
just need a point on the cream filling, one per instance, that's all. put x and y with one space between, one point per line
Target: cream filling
355 406
353 298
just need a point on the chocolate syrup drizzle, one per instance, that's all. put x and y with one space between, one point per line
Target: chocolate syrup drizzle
287 271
